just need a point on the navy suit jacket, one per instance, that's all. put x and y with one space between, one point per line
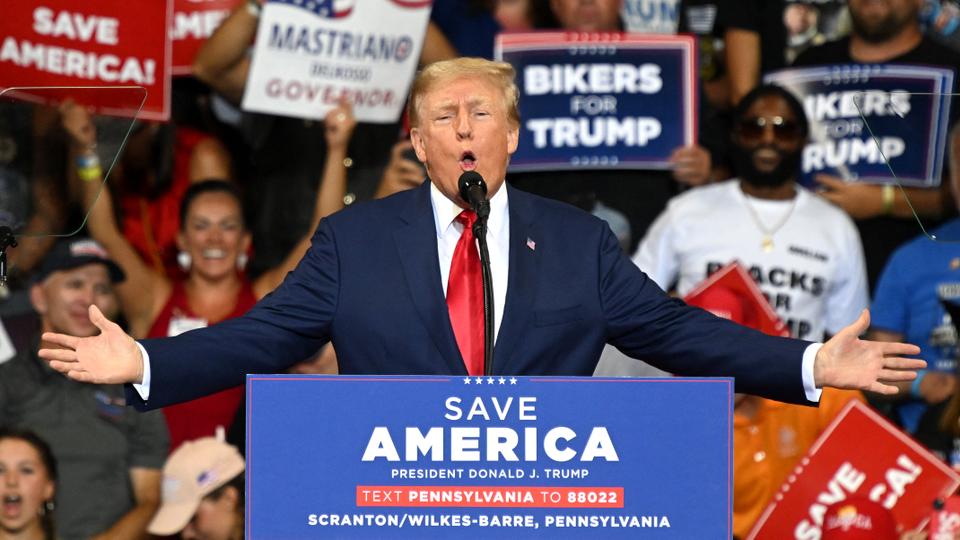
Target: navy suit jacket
371 283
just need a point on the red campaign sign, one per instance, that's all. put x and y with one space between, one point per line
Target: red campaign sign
90 44
732 294
193 22
860 454
945 522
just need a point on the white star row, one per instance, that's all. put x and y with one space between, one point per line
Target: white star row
489 380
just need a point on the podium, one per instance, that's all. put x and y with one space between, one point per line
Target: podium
488 457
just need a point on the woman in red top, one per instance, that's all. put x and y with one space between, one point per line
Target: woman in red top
212 242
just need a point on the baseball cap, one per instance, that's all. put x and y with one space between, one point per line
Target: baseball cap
71 253
858 518
194 470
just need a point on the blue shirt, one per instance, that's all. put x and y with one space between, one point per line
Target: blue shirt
919 276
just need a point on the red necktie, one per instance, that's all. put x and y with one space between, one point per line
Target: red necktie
465 296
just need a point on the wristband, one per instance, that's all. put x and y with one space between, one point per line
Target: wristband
887 196
88 167
915 387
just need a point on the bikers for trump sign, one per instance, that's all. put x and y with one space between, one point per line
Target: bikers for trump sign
607 100
311 54
488 457
863 116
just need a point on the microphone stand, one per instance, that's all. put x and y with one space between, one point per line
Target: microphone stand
7 240
480 233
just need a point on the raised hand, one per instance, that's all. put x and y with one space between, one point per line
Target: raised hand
338 125
846 361
78 125
112 357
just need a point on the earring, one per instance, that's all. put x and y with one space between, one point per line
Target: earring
242 261
184 261
46 508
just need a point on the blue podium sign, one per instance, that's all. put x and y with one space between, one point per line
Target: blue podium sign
489 457
862 115
608 100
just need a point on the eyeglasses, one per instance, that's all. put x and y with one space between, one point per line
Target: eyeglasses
751 130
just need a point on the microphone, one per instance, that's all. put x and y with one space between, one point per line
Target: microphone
474 190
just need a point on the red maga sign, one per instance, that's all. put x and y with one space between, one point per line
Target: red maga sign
732 294
193 22
91 43
945 521
861 454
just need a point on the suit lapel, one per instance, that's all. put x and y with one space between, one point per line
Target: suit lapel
521 282
416 239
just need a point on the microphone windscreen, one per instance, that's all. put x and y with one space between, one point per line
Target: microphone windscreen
468 180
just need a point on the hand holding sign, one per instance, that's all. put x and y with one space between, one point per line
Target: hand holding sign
691 165
846 361
861 201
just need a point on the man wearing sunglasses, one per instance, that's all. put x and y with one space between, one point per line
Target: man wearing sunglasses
804 253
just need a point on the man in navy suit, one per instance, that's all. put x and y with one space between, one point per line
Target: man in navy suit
375 279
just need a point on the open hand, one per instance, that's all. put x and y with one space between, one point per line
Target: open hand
112 357
846 361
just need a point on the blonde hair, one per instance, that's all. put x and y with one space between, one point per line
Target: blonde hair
500 74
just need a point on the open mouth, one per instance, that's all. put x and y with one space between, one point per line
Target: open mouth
11 505
214 253
468 161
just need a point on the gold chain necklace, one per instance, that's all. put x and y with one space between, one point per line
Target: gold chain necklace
767 243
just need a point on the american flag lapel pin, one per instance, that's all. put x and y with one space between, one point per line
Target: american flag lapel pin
531 244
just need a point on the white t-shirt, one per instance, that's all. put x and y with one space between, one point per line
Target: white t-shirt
813 276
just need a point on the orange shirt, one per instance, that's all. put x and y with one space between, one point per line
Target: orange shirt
767 447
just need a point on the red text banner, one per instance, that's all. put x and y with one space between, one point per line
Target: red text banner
491 496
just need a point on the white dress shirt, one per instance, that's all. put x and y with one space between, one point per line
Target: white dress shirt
449 229
498 242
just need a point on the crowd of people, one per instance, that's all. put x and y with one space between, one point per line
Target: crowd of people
203 216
